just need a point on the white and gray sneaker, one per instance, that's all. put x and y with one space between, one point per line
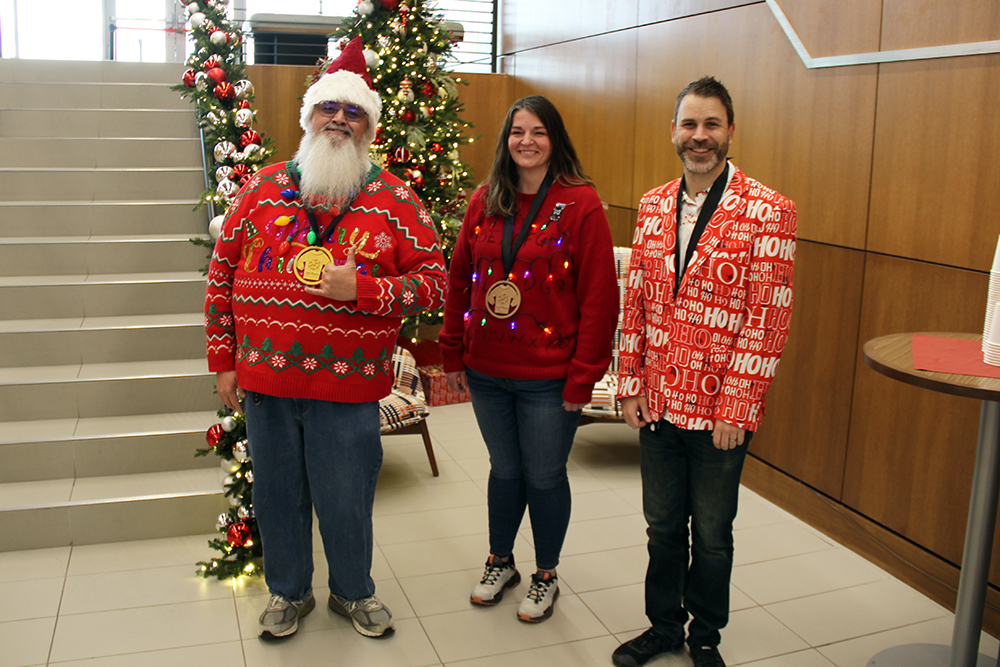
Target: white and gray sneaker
370 617
281 616
498 577
541 598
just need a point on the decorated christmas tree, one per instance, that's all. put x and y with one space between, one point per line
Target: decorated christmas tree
216 83
407 47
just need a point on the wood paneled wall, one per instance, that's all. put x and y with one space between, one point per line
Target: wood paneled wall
279 90
897 223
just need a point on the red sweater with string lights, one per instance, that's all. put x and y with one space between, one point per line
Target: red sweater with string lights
569 295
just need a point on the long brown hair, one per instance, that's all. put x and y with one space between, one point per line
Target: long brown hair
564 165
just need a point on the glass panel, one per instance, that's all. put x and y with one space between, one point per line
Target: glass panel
56 29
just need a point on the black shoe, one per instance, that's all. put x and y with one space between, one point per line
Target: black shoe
644 648
706 656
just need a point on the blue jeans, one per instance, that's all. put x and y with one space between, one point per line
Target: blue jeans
308 453
684 477
529 436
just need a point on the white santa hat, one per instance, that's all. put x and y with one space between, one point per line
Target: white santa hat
346 80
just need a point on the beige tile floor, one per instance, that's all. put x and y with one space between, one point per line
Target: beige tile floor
798 598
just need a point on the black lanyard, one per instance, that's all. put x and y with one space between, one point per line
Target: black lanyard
707 210
507 252
293 171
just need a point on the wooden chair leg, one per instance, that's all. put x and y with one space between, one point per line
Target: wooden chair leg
426 434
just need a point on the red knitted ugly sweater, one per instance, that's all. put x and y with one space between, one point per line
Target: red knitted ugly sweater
566 274
284 342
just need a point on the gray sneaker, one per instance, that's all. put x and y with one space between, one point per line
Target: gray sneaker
370 617
281 617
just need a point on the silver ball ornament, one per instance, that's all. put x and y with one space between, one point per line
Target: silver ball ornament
244 89
240 452
251 153
244 512
249 477
223 521
201 81
244 118
221 174
228 481
224 150
234 501
227 188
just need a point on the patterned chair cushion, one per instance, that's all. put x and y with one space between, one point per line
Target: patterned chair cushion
604 402
405 405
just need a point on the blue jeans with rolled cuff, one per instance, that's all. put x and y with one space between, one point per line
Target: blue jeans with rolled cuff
529 436
685 479
309 453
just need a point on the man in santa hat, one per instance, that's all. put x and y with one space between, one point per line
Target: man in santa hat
319 260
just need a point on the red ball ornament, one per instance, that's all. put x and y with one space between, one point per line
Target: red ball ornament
249 137
428 89
214 434
389 5
437 148
407 116
217 74
224 92
238 534
244 104
213 61
189 76
242 173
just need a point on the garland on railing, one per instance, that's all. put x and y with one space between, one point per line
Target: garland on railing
216 83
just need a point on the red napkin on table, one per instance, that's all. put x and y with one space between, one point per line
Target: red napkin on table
951 355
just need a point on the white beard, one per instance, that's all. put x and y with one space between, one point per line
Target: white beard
331 171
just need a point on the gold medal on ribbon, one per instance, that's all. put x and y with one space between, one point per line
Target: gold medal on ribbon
309 263
503 299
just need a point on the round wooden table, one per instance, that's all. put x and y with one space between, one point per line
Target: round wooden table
892 356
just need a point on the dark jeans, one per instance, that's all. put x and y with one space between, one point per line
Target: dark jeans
685 478
529 436
309 453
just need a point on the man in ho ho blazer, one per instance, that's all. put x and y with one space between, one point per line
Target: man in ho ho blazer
706 318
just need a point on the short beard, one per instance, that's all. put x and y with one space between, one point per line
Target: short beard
331 171
703 167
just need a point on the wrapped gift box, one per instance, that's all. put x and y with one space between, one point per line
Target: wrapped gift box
436 387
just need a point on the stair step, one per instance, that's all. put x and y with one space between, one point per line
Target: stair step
56 152
102 218
98 123
63 512
90 95
109 71
104 183
99 254
44 297
106 390
103 446
93 340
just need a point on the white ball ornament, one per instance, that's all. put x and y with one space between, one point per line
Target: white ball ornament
193 8
218 38
215 231
372 59
197 19
230 467
251 153
366 7
228 424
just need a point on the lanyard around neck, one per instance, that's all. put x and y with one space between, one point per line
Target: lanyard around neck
316 235
509 246
707 210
